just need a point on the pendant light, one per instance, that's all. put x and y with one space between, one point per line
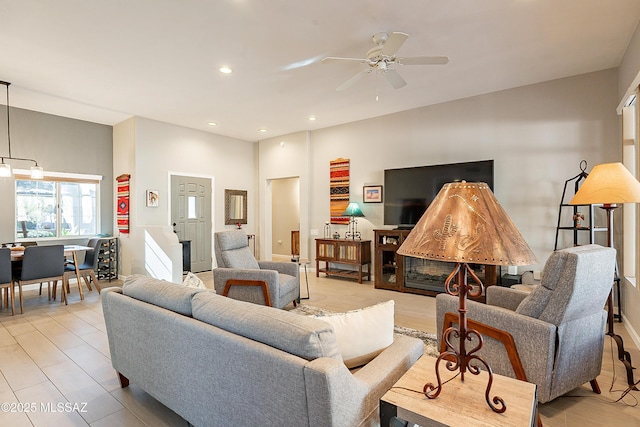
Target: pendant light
5 168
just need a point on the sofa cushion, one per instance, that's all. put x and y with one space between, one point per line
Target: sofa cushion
301 336
161 293
362 334
534 304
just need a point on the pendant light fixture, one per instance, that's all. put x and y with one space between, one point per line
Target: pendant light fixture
5 168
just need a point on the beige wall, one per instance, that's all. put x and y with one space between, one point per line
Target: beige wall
285 211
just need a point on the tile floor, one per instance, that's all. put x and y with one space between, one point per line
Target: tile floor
55 367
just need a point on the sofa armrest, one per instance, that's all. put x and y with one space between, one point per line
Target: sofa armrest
387 367
116 289
505 297
355 397
290 268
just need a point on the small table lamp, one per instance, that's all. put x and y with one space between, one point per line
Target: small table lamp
610 184
353 211
466 224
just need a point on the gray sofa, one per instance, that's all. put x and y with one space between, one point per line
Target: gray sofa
219 362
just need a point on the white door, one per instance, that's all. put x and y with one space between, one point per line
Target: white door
191 216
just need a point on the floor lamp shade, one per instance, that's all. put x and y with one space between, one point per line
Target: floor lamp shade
465 223
608 183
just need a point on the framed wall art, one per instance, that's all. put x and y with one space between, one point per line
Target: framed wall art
372 194
152 198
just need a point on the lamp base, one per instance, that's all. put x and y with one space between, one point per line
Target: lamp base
461 359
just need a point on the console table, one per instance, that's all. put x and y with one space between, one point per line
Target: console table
459 404
347 252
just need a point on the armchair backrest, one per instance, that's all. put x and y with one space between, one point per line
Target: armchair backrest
232 250
575 283
5 266
91 257
42 262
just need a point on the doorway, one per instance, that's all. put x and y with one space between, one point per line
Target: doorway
285 216
191 218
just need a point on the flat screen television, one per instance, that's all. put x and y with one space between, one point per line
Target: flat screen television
409 191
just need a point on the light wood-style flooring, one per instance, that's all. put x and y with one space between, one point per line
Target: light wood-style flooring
55 367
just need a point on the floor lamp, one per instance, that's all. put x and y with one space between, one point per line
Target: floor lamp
465 224
610 184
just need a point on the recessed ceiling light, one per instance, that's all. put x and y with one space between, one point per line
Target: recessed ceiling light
262 130
212 124
225 70
312 118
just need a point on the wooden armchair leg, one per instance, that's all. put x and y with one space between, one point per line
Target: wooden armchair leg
259 283
595 386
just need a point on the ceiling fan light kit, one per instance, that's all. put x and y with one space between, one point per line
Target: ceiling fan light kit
382 57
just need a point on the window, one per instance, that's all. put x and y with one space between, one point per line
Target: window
629 158
56 207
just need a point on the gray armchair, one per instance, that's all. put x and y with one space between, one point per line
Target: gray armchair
240 276
558 328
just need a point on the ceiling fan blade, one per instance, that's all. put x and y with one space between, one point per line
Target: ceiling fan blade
423 60
351 81
394 42
394 78
330 59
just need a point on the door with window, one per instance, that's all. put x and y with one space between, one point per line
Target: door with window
191 214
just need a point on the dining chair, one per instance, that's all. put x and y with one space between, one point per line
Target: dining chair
42 264
6 284
87 269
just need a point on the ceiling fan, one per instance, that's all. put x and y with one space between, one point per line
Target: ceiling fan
382 57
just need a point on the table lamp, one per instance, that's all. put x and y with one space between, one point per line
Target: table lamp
466 224
353 211
610 184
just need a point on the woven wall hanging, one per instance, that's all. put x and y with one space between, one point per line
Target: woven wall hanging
123 203
339 190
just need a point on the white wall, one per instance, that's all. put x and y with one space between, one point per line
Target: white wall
629 79
58 144
629 69
291 159
536 134
150 151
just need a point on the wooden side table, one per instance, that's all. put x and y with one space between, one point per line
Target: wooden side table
459 404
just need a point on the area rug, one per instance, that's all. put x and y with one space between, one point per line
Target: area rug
429 340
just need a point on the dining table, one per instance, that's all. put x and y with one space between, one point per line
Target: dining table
17 253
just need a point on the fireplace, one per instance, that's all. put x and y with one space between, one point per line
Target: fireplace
430 275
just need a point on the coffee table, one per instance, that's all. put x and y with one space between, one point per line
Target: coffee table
459 404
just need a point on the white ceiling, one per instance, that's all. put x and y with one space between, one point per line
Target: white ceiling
107 60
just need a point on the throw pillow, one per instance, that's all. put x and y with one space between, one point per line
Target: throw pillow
193 281
362 334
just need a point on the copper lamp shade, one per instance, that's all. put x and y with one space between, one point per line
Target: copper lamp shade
466 224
